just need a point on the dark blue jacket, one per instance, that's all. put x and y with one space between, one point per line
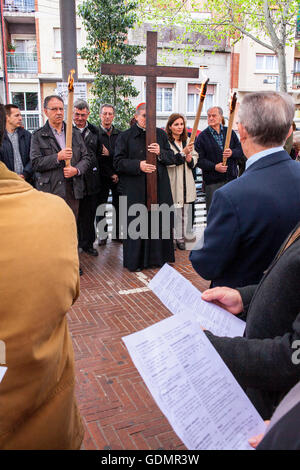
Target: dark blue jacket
248 220
210 154
7 153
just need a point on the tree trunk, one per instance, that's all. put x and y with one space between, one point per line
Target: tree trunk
282 69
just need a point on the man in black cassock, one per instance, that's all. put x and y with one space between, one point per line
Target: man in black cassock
130 163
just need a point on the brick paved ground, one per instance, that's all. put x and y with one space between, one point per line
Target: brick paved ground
117 409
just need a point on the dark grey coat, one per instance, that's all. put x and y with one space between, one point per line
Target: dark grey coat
262 360
49 171
92 181
7 152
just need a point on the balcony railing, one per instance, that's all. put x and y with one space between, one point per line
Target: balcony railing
25 6
296 80
22 62
31 121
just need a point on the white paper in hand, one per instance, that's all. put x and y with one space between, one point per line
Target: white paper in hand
180 296
192 385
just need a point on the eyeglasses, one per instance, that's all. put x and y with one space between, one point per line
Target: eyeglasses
55 109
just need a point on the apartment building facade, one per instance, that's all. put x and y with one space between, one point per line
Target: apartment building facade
31 56
255 68
32 67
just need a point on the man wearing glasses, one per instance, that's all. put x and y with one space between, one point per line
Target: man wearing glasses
49 153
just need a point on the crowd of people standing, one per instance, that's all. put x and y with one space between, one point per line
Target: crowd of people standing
249 249
97 169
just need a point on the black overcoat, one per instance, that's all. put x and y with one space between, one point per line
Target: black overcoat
130 150
7 152
91 177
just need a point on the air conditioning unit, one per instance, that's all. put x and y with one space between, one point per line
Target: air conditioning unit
270 80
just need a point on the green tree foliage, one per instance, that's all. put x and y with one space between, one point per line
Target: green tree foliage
270 23
107 23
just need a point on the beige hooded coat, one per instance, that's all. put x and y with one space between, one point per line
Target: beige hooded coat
176 173
39 282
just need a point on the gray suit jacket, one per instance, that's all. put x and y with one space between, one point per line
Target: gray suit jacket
261 361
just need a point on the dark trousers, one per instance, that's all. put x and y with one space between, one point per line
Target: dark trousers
102 199
72 202
70 198
209 192
86 221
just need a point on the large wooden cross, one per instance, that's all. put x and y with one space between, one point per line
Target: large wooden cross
150 71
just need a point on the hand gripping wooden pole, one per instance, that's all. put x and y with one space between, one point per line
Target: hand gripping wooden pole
70 112
230 124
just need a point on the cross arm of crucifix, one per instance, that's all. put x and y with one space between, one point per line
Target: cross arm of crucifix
151 71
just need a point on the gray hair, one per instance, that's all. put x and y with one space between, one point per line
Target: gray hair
81 104
140 108
50 97
267 117
107 105
218 108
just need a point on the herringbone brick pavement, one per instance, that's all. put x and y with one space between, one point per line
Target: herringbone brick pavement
117 409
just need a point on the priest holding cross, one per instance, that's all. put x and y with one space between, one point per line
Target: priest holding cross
148 240
141 156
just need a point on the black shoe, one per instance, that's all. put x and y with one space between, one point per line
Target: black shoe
181 245
91 251
80 272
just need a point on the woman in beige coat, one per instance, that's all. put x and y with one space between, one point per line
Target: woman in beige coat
181 175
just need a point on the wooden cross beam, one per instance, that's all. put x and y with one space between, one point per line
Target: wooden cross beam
151 70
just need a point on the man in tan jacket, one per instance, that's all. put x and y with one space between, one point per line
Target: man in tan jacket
38 285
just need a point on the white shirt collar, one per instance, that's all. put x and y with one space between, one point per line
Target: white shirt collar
264 153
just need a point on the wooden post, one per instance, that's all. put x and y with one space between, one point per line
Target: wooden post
230 124
70 113
151 119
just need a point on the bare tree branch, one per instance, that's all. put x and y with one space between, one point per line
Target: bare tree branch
269 24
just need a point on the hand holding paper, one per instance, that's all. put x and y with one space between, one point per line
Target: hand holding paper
180 296
192 386
225 297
